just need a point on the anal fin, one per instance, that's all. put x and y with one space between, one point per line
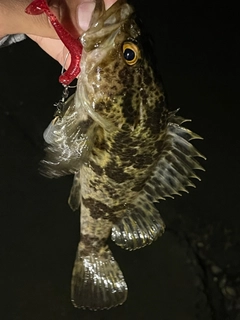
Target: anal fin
139 227
97 281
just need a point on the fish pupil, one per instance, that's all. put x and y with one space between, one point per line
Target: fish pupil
129 54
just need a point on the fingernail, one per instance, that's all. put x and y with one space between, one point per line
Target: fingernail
84 14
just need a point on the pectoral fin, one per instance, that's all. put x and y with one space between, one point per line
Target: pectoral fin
69 141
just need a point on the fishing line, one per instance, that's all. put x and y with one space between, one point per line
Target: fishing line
62 71
60 105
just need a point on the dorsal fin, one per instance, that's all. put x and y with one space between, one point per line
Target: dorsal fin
142 225
176 167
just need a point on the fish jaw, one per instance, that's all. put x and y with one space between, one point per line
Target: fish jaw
118 92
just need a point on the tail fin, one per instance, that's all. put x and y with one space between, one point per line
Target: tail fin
97 281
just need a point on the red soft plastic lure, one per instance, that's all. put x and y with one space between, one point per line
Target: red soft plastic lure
72 44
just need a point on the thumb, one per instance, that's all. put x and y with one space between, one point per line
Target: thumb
84 14
85 10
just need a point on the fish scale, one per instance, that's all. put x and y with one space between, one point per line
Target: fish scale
125 149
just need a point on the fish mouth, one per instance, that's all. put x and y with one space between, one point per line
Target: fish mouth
104 23
100 15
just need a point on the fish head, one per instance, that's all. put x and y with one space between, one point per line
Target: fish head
117 80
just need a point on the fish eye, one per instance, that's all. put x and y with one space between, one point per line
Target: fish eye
131 53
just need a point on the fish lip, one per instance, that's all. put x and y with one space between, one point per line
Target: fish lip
105 22
100 14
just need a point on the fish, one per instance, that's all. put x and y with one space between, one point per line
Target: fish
125 149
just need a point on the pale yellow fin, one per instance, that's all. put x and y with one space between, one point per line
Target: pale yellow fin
67 142
97 281
139 227
176 167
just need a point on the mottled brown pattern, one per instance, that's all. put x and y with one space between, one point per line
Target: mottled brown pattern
133 101
116 173
121 122
96 168
100 210
85 124
99 139
92 243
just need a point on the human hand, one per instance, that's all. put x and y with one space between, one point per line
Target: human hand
75 16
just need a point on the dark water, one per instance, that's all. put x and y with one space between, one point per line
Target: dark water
193 271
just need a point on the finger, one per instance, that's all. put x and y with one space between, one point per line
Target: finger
84 13
55 48
85 10
109 3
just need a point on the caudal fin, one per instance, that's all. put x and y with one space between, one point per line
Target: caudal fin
97 281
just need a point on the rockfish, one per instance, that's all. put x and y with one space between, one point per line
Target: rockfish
125 149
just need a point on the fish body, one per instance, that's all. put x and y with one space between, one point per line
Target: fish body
125 149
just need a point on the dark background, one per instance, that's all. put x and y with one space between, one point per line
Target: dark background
193 271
